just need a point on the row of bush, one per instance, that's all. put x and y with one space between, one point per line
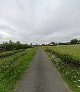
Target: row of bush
8 46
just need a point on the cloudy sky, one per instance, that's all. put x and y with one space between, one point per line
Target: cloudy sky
39 21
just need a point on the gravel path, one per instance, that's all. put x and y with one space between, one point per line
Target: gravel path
42 76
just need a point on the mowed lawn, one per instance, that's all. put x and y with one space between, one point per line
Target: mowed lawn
67 60
12 69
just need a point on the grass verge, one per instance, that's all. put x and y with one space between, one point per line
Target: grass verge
13 68
70 74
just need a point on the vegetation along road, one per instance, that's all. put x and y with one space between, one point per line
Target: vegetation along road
42 76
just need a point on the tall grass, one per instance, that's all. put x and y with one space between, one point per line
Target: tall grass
68 54
12 68
63 58
9 53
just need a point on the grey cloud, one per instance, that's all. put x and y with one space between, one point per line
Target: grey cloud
39 21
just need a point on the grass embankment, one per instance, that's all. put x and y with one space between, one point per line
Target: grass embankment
67 61
12 69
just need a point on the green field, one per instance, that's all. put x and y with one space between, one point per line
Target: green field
68 53
13 67
67 60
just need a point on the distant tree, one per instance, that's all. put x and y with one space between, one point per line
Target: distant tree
79 41
74 41
43 44
18 42
66 43
10 42
52 43
30 44
8 46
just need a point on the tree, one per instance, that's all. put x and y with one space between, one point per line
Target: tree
8 46
18 42
79 41
52 43
10 42
30 44
74 41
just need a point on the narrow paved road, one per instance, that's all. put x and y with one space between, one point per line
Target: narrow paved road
42 76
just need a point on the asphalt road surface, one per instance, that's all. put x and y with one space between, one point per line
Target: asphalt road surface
42 76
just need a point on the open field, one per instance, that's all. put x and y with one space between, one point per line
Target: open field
68 53
67 60
12 68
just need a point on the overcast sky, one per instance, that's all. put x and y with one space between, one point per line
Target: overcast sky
39 21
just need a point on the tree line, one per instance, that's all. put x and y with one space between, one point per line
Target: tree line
8 46
71 42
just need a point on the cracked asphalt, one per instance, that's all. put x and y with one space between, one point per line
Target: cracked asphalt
41 76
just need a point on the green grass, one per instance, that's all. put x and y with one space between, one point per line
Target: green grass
73 50
70 72
67 53
13 68
9 53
